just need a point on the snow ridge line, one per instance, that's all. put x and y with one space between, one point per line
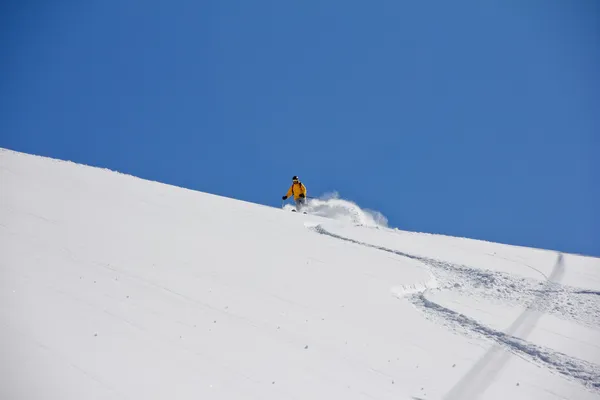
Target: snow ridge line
319 229
482 373
408 290
583 371
526 291
570 303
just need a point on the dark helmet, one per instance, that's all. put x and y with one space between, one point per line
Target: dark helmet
295 178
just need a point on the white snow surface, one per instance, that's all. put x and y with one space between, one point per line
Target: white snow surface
114 287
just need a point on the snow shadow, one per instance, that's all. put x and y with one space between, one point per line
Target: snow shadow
547 298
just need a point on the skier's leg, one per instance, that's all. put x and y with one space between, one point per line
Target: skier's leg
304 204
301 202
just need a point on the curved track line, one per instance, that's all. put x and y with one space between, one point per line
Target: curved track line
476 381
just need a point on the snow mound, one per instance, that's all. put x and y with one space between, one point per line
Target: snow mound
332 206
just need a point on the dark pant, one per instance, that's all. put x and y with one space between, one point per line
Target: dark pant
300 202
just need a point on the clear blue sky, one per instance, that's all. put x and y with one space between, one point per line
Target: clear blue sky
468 118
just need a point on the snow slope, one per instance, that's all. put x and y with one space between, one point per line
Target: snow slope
113 287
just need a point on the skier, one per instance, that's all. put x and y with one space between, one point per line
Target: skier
298 190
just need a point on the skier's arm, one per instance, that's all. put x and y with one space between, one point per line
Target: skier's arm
289 192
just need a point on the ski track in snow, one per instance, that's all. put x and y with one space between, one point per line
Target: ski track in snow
538 297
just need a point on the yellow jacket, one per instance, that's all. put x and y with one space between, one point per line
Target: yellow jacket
296 189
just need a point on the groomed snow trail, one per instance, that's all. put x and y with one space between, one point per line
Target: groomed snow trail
538 297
